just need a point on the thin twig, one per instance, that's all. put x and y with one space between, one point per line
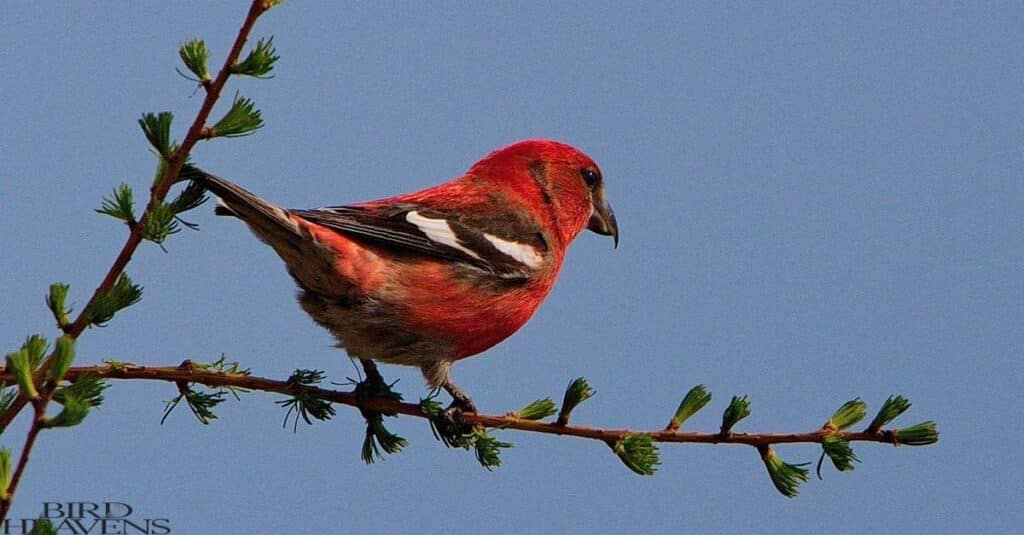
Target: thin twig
161 187
186 374
30 440
157 194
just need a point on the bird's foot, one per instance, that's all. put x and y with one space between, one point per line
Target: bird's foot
378 439
373 386
373 376
449 425
460 400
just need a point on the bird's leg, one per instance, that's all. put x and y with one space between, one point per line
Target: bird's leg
449 426
460 400
373 386
373 376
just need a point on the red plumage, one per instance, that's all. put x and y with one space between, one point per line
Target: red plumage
434 276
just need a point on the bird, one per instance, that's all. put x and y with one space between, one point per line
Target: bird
438 275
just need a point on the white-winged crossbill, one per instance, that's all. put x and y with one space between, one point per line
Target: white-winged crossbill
427 278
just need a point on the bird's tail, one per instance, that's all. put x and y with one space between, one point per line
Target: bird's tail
308 261
268 221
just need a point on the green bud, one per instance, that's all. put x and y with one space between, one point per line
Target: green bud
119 205
88 388
891 409
241 120
193 196
849 414
157 128
260 60
75 410
639 453
922 434
161 223
125 293
62 357
5 472
840 452
577 392
487 448
431 407
194 55
786 477
21 368
379 438
738 409
35 346
7 397
694 401
56 300
537 410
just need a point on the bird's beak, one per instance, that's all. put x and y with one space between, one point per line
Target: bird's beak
602 219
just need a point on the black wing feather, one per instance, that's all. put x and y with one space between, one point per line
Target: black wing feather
390 228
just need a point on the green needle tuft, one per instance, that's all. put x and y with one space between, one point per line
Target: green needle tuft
922 434
241 120
738 409
891 409
75 410
88 388
849 414
124 293
19 365
694 401
5 471
537 410
157 128
195 56
161 223
35 345
304 402
786 477
487 448
577 392
839 450
639 453
63 354
260 60
56 302
119 205
379 439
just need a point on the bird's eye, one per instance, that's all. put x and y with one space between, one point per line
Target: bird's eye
591 177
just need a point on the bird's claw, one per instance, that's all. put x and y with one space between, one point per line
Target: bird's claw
374 386
462 404
450 427
460 400
453 414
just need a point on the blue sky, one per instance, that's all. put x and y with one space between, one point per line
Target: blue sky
816 203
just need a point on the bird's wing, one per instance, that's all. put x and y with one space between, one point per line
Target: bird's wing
485 241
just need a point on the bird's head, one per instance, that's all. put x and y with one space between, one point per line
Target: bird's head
559 182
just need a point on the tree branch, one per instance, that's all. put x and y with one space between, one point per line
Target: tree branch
187 373
161 187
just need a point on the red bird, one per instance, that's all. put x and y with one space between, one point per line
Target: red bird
428 278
